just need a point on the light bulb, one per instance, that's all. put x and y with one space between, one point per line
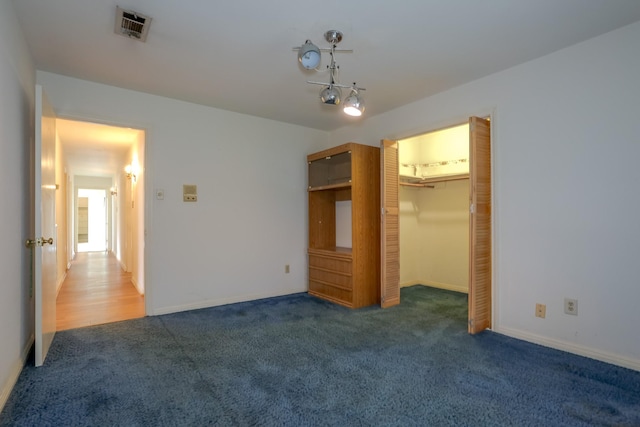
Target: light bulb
354 105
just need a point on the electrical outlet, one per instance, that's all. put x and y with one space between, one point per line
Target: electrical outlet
286 269
571 306
541 310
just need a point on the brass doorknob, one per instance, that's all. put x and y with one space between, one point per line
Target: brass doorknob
29 243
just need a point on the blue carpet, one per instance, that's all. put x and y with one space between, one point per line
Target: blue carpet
300 361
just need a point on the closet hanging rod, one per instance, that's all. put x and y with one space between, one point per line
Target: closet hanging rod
443 178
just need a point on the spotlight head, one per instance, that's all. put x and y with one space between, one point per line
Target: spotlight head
331 95
354 105
309 55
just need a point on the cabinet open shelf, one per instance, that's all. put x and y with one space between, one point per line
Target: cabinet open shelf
331 186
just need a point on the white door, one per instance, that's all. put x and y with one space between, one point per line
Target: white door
43 244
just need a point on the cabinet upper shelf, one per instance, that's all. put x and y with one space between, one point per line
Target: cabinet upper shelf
330 169
331 186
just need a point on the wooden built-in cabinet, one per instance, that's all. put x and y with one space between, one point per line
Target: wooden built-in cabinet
349 276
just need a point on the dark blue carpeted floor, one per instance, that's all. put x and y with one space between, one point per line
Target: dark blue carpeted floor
299 361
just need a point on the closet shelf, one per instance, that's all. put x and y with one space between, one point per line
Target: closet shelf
414 181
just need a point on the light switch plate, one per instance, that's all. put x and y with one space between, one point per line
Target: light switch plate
189 193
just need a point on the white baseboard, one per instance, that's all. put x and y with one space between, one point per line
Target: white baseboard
60 282
410 283
223 301
446 286
136 285
591 353
14 373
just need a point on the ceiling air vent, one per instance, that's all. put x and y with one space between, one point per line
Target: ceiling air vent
132 24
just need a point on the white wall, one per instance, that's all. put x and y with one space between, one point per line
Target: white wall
121 185
434 235
17 91
133 215
430 150
92 182
565 152
250 218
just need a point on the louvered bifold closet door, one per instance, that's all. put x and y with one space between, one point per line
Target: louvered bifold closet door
390 227
479 225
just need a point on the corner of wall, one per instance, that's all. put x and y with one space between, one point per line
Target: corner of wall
14 373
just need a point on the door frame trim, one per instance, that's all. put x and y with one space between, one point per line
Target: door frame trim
147 194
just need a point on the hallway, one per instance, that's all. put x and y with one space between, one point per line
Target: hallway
96 291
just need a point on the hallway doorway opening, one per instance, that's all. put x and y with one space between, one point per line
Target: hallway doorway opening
92 220
101 271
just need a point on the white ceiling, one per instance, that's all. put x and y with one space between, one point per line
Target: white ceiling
93 149
237 55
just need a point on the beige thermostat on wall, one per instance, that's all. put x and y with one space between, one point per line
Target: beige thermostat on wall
189 193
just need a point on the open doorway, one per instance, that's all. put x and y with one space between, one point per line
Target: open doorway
92 224
434 209
478 208
105 222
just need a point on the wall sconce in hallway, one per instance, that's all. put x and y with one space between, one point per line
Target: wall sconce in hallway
131 173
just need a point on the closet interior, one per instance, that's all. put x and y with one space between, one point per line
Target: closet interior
434 209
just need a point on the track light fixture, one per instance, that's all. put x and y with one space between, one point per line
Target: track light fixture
309 58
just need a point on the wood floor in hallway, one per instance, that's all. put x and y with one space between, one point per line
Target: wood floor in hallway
95 291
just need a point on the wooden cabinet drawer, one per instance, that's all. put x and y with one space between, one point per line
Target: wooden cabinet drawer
338 280
331 293
328 263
